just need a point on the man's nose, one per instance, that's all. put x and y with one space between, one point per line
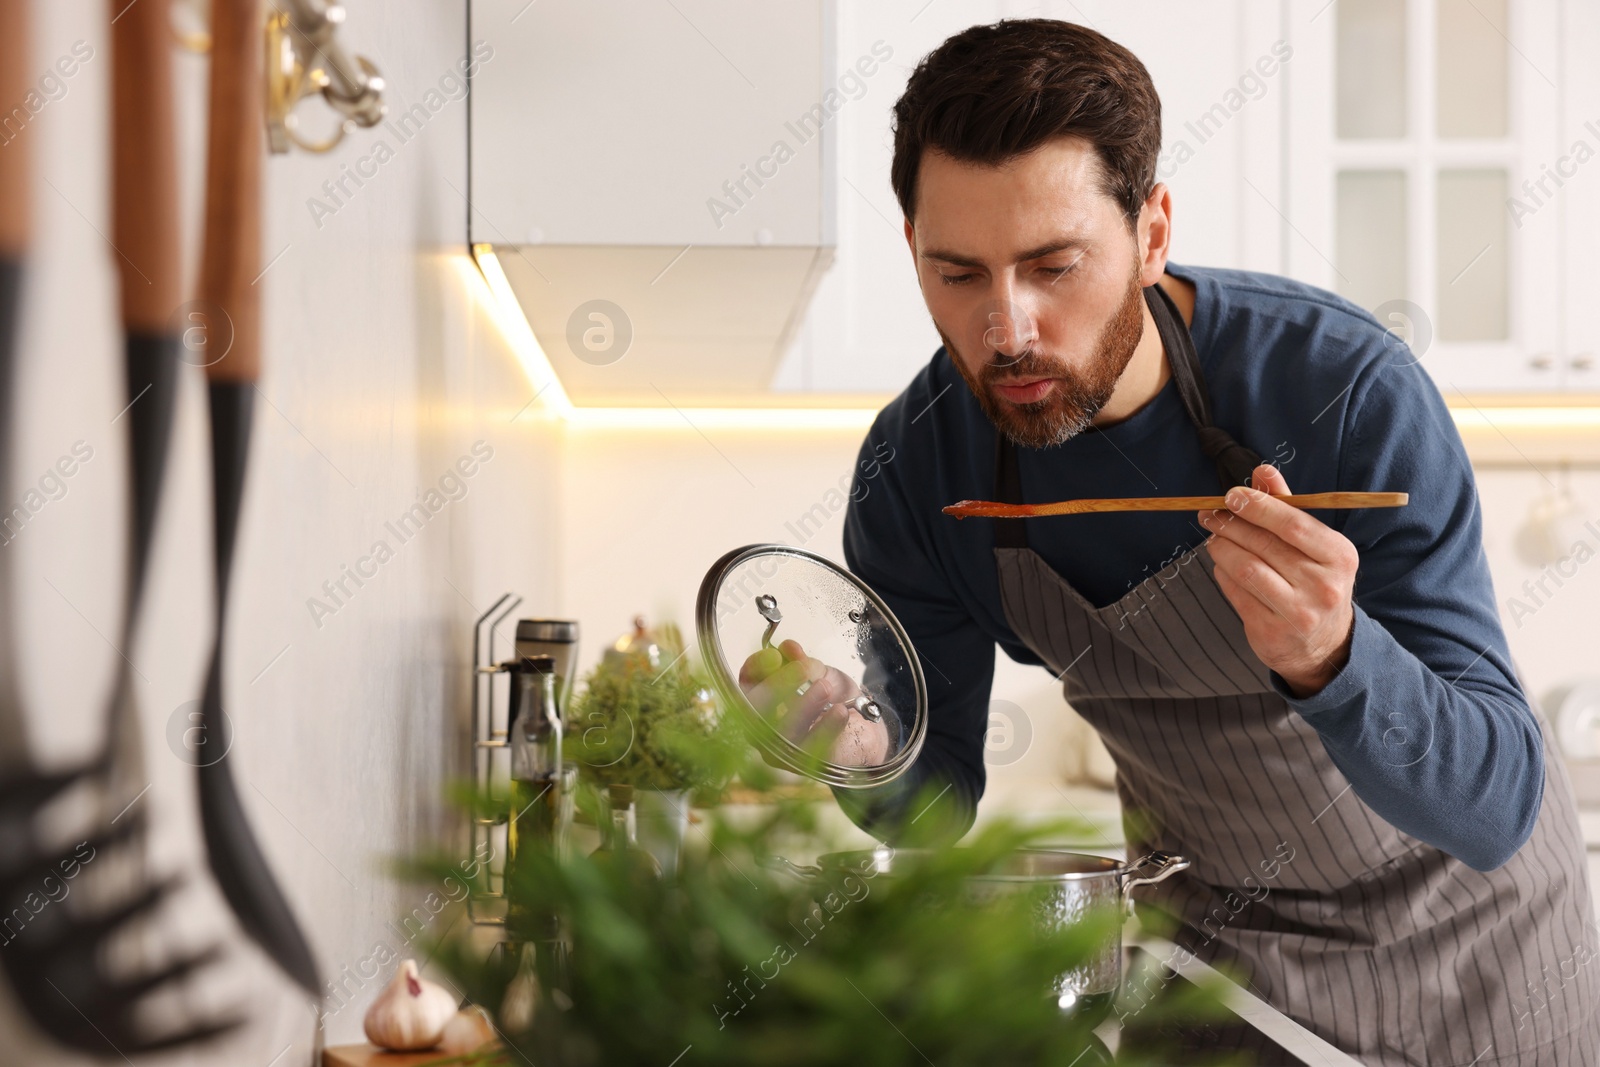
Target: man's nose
1007 325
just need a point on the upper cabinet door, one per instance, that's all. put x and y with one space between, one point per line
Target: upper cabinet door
1575 172
1420 131
615 122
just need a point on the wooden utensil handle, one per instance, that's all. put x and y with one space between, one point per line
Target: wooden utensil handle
15 38
230 263
144 163
968 509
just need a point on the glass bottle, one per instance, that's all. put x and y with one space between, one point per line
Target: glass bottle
619 848
537 788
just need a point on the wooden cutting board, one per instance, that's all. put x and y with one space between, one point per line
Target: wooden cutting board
373 1056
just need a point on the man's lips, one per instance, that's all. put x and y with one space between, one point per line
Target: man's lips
1026 391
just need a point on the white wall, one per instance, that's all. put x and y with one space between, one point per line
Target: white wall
1553 631
381 369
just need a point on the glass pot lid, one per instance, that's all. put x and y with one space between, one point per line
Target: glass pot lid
813 659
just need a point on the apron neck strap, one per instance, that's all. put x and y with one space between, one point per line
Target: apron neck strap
1234 462
1008 533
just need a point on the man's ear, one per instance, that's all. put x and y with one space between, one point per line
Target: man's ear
1153 232
911 243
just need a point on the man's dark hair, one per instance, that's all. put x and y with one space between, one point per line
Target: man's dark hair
991 93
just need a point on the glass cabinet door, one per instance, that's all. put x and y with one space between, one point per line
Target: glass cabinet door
1577 164
1415 125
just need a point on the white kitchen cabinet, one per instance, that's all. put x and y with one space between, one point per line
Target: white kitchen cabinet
1448 108
656 184
614 122
1432 177
601 131
1579 353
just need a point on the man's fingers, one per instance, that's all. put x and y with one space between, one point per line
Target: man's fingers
1245 601
1294 526
772 679
1269 479
818 730
1252 574
808 712
779 686
759 665
1263 542
1284 557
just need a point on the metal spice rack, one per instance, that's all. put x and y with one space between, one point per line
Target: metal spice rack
488 906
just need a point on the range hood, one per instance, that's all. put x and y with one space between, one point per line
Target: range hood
656 183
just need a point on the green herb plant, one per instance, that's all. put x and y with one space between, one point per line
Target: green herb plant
736 963
648 727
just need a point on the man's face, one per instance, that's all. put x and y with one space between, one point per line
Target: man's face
1034 281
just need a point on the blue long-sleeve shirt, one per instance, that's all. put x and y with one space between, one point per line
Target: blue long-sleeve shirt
1427 719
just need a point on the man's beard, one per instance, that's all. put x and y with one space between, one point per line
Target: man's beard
1077 395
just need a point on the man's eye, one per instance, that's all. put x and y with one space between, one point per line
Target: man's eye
956 279
1057 272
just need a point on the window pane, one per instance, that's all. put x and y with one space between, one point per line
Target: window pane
1474 53
1473 256
1371 251
1372 68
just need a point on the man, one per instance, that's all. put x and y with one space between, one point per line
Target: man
1317 708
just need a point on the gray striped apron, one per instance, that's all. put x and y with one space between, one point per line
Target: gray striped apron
1384 946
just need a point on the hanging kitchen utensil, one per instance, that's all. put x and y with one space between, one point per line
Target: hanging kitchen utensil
835 618
230 264
57 959
15 225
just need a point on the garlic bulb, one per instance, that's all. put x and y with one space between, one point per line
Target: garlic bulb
468 1031
521 1000
410 1013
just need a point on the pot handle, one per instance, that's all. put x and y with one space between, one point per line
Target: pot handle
1149 870
778 863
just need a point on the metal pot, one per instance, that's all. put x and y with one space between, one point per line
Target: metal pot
1073 885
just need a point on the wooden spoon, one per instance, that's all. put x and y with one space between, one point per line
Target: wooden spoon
989 509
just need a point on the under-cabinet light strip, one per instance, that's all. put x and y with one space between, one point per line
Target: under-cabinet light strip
519 335
856 419
513 324
1512 417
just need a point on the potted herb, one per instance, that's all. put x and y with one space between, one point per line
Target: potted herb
649 720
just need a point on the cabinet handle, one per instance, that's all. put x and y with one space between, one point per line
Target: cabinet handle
1542 361
1583 362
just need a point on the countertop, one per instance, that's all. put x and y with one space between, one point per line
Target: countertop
372 1056
1251 1009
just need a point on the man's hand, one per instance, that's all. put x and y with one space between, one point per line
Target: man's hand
1290 578
771 678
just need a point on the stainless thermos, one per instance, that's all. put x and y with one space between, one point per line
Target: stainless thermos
557 638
